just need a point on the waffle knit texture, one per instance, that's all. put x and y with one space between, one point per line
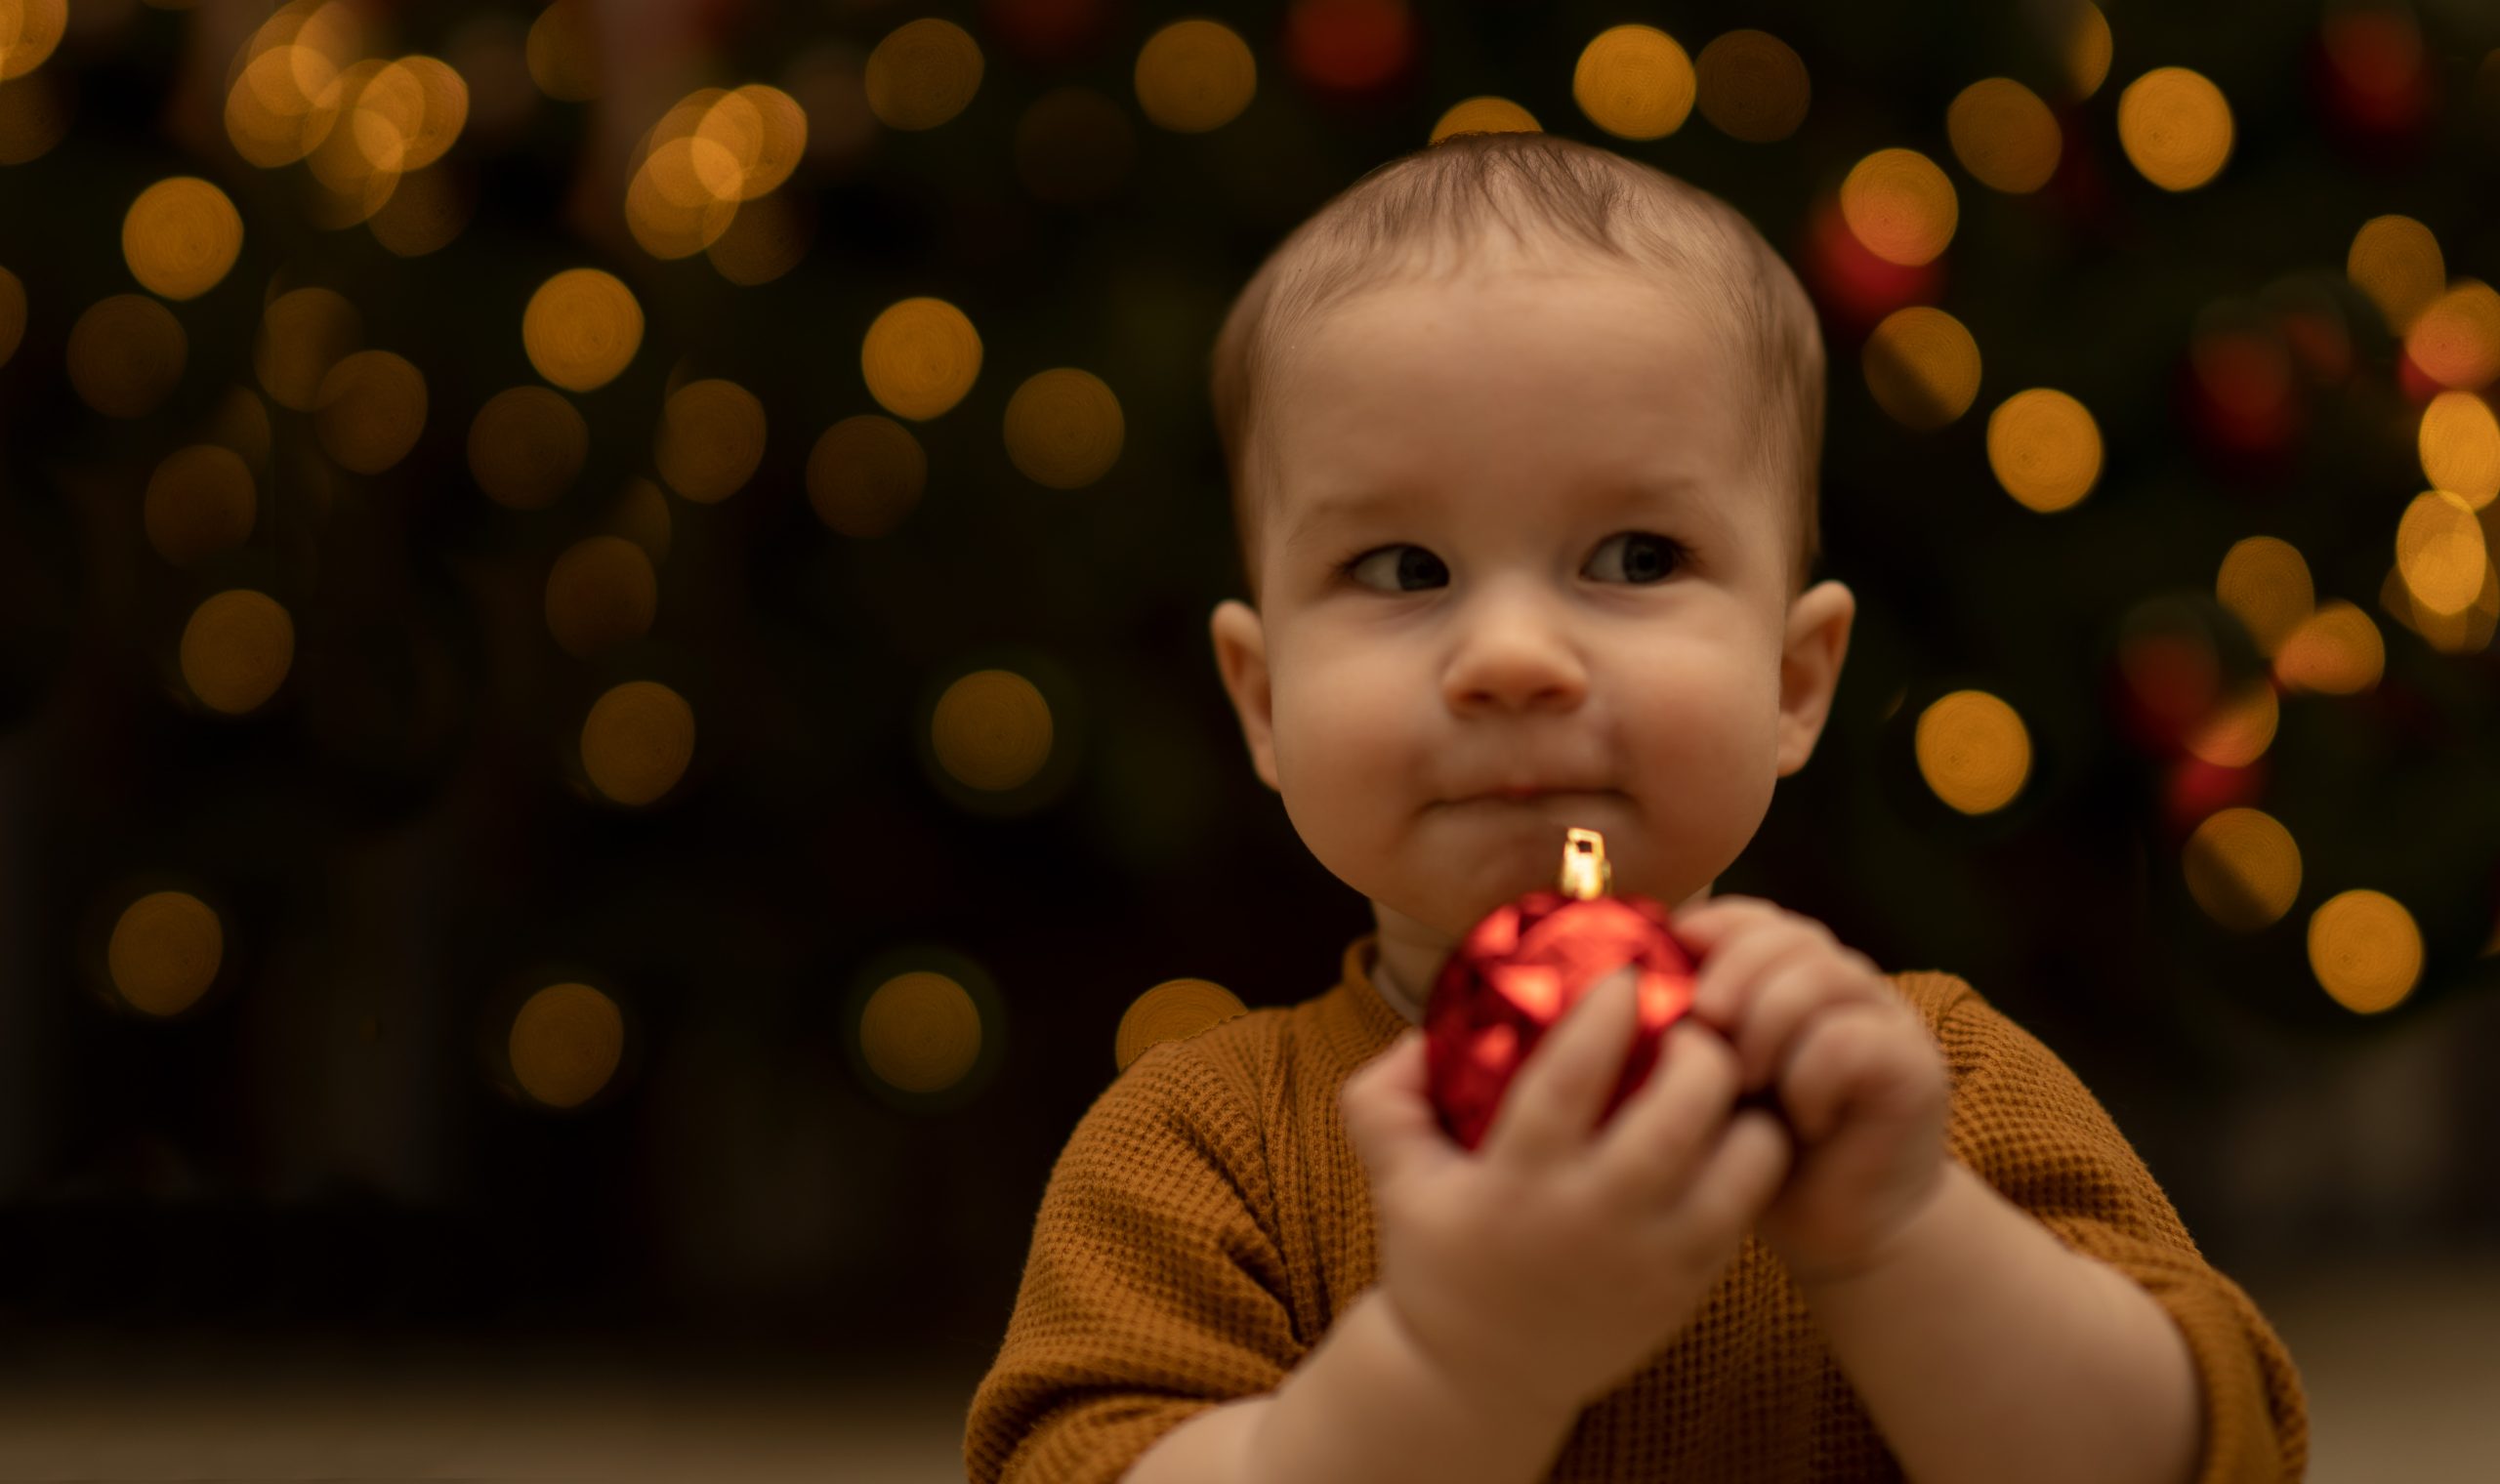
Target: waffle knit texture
1209 1217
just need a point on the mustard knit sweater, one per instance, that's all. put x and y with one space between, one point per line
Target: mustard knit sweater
1209 1218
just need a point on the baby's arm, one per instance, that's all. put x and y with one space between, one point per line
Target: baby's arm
1367 1406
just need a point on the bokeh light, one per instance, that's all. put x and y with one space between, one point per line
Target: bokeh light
1900 206
126 354
2459 443
637 742
2443 553
920 1032
1064 428
200 502
2456 338
1922 366
2365 950
2336 651
566 1042
35 116
2242 867
2088 48
864 474
710 440
600 591
2265 581
562 54
1483 114
582 328
371 410
1634 82
765 241
303 333
2004 134
2396 263
237 650
164 952
526 446
1973 750
180 236
993 730
1196 75
2237 732
29 29
920 358
1752 86
2176 128
923 74
2044 449
1174 1009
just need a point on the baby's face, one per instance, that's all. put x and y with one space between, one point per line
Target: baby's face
1513 540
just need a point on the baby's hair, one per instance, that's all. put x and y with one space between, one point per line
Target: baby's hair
1415 218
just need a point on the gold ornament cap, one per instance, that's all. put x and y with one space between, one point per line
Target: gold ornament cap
1586 872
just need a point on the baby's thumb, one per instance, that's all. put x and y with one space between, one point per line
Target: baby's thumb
1388 1111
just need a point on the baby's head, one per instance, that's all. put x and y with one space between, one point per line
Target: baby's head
1522 438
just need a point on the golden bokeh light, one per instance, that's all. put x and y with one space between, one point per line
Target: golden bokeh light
35 116
1064 428
1483 114
682 198
2241 727
2456 338
29 29
1922 366
13 314
765 241
2176 128
237 650
602 591
271 102
126 354
1196 75
2365 950
303 334
762 130
200 502
429 209
240 420
562 54
920 1032
566 1042
920 358
2243 868
371 410
642 516
2335 651
582 328
2459 443
1634 82
922 74
526 446
180 236
2044 449
2443 553
2396 263
164 952
637 741
865 474
2264 581
1752 86
2468 632
1900 206
1973 751
1172 1010
993 730
2004 134
710 440
2087 51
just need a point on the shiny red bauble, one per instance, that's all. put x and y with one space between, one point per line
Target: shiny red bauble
1522 968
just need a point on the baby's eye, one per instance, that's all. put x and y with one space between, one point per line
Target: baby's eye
1413 561
1647 556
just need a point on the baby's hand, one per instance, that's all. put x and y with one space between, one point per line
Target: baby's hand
1541 1268
1862 1084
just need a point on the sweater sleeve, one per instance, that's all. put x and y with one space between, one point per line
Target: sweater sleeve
2026 1123
1153 1290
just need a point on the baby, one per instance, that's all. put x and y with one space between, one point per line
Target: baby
1524 440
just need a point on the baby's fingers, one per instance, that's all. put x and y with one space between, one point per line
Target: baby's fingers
1739 1179
1388 1112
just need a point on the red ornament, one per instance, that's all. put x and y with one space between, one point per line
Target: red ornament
1527 963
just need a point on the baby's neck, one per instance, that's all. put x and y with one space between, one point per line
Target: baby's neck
1389 990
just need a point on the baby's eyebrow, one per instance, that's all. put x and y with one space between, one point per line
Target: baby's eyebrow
1328 510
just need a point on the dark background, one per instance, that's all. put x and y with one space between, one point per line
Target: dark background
323 1142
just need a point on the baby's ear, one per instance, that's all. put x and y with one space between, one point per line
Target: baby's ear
1241 659
1818 642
